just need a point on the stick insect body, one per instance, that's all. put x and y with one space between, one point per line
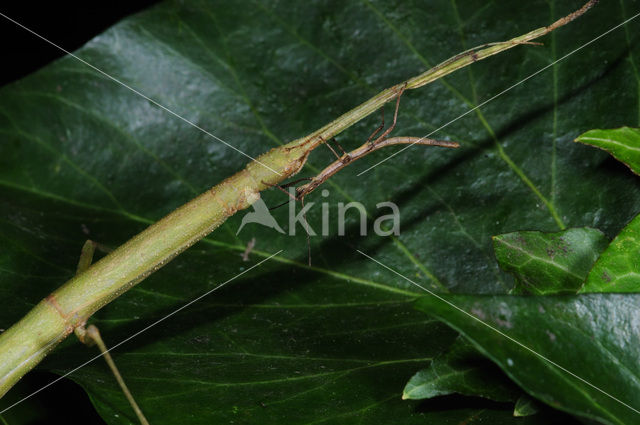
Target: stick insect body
28 341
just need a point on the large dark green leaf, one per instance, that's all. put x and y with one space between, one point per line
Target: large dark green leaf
549 263
81 156
594 337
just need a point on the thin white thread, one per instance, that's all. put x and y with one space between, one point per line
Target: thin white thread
501 333
140 331
137 92
500 94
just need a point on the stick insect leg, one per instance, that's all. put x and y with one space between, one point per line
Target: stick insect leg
278 206
377 130
91 335
296 181
345 156
277 186
295 198
281 187
86 256
340 147
395 117
304 215
330 147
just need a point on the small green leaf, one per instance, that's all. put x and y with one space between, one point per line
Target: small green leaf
525 406
594 337
549 263
618 268
461 370
623 143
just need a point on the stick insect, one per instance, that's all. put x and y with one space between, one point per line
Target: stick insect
27 342
347 158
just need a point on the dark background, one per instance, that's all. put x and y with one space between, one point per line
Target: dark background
69 24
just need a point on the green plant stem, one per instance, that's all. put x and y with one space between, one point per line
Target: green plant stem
28 341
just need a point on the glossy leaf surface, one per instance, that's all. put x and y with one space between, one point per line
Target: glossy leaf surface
623 143
461 370
82 157
577 353
549 263
618 268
